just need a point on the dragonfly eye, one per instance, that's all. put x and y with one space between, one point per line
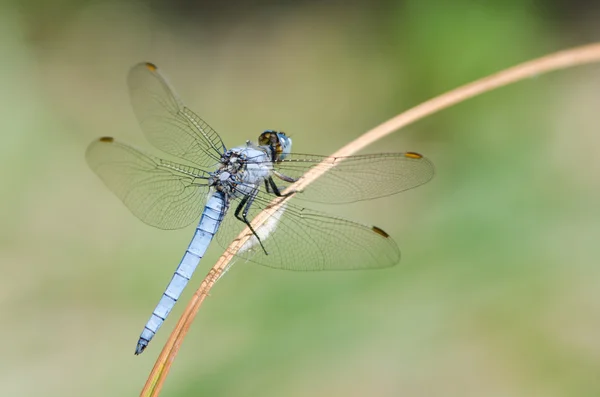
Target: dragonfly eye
285 145
268 138
279 142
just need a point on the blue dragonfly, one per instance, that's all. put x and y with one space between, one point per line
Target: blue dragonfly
210 179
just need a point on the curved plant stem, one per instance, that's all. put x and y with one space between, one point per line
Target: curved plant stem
559 60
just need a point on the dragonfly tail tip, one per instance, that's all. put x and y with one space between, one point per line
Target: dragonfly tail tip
141 346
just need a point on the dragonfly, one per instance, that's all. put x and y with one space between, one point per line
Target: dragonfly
226 188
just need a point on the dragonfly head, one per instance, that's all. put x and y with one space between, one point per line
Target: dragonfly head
278 141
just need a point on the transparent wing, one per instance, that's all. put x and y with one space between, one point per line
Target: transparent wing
167 123
301 239
161 193
357 178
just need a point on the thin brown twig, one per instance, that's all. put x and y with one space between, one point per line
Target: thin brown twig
556 61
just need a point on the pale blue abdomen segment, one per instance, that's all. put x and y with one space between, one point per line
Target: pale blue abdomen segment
208 226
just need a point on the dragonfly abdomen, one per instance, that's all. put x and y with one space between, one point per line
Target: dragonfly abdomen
207 227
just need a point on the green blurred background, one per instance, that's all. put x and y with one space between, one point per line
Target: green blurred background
497 292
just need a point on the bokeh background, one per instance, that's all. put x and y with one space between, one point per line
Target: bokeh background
498 290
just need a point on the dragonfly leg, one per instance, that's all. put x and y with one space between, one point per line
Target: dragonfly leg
284 177
268 187
274 189
245 205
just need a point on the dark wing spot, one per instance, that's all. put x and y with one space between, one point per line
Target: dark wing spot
152 67
413 155
379 231
107 139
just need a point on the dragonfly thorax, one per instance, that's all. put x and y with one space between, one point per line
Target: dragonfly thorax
241 170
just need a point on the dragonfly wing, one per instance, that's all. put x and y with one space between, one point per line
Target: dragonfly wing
161 193
301 239
167 123
357 178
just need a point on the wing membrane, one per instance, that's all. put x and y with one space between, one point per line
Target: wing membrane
167 122
161 193
358 178
301 239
